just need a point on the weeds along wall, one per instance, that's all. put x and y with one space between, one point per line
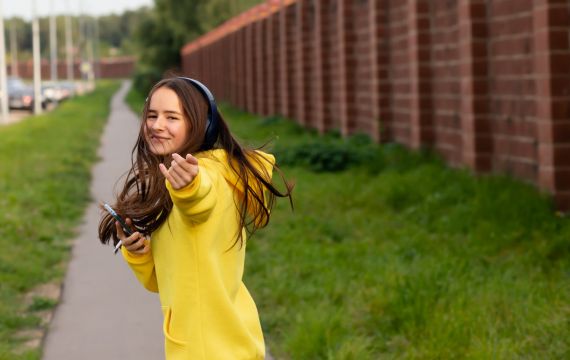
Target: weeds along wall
485 83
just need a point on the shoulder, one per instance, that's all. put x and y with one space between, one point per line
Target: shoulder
213 159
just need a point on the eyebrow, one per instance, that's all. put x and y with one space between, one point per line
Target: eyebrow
166 111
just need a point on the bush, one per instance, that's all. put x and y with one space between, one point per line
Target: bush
145 78
331 154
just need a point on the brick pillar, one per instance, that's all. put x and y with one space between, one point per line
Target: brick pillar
275 59
380 104
251 74
300 95
345 95
318 111
271 65
203 64
233 66
238 73
204 69
551 20
223 76
224 57
220 68
205 73
477 144
283 61
214 67
243 74
421 133
212 64
199 71
261 98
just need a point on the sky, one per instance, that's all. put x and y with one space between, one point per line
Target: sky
23 8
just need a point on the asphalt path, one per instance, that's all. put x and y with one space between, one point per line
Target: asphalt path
104 312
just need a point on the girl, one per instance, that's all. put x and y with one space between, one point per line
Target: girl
190 195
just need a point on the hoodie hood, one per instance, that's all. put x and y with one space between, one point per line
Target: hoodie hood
261 161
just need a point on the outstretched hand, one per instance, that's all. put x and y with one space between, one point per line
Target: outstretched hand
181 171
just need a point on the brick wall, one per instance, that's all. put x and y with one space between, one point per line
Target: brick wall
512 87
484 83
445 80
399 69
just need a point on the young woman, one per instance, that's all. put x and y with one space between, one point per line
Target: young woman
192 195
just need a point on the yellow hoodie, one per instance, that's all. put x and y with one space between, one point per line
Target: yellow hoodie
208 312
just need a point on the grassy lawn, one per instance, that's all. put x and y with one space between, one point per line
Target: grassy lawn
391 255
45 164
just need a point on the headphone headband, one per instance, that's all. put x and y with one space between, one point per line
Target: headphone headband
212 126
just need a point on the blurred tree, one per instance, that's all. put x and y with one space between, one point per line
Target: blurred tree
155 35
173 24
23 37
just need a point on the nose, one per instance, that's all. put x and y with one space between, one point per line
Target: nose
158 123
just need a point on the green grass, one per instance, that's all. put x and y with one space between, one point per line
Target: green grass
45 164
399 257
136 101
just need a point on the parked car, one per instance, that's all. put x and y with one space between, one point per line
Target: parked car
21 95
69 88
54 92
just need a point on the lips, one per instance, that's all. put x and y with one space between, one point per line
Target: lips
158 138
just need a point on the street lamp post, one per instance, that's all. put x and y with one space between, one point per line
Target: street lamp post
3 75
53 43
68 45
37 60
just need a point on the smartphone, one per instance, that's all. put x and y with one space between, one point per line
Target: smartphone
126 228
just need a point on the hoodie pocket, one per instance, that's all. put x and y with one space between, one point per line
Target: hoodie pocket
167 312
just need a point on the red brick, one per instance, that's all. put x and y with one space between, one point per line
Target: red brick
557 15
554 155
554 180
506 8
554 132
562 201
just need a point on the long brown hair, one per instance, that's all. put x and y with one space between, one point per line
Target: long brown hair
144 198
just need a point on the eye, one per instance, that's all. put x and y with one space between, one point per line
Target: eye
172 118
151 116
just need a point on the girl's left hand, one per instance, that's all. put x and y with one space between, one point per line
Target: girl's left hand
181 171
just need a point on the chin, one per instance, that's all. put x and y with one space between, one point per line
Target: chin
161 152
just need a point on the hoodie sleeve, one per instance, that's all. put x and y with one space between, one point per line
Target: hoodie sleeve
196 200
143 267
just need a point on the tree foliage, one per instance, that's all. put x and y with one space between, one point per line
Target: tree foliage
154 34
173 24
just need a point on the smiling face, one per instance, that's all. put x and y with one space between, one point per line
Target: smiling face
166 129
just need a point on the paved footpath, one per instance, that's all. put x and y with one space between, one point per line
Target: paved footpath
104 312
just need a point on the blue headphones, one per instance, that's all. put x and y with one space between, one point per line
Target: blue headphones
212 126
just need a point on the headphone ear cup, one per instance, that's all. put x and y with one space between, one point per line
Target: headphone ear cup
212 125
212 131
